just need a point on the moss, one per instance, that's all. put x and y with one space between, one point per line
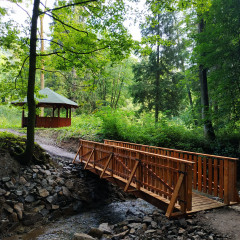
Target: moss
15 145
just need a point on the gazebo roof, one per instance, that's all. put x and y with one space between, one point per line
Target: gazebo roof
52 98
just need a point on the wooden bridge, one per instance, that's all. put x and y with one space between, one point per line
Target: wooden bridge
179 182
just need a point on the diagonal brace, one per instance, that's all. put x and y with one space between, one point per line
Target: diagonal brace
131 176
106 165
89 159
77 154
175 195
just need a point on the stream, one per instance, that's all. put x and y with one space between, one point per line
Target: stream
64 228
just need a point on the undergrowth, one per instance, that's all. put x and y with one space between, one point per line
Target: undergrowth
10 117
125 125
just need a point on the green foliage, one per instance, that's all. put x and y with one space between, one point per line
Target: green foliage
10 117
83 126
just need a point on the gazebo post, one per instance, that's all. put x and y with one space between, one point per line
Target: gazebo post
58 112
70 112
53 111
66 112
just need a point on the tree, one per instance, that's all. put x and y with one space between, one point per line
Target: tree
220 43
114 33
159 71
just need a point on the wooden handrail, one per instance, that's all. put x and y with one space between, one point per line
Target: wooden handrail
112 142
214 175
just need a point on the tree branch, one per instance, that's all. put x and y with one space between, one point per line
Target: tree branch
19 74
58 20
68 50
24 10
68 5
52 71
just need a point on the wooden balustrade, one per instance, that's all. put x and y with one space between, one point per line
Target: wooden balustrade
164 178
214 175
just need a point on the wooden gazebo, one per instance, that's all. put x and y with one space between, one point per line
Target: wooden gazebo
54 101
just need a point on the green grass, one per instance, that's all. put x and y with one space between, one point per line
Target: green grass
10 117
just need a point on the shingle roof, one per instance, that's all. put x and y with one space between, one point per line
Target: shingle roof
50 99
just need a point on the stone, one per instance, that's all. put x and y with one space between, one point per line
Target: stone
14 217
7 208
69 184
38 208
43 192
6 179
181 231
44 183
132 231
154 224
47 172
22 180
182 222
54 207
147 219
52 183
30 199
44 212
144 227
57 189
120 235
104 227
134 225
19 209
82 236
9 185
50 199
150 231
95 232
19 193
66 192
2 192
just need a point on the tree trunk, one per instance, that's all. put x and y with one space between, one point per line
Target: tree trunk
208 127
31 86
42 62
157 83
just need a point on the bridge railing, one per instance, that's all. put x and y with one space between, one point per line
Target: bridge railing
214 175
163 177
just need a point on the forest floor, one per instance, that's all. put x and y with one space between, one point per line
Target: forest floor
224 221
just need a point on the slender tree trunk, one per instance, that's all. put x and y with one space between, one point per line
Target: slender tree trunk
31 86
157 83
42 62
208 127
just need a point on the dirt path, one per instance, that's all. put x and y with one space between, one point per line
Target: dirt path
47 144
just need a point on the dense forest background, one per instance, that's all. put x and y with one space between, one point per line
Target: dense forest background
177 87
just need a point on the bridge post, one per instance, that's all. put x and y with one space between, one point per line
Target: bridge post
183 188
138 171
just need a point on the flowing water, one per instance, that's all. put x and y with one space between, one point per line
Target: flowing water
64 228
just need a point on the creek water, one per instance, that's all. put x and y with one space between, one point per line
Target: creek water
64 228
